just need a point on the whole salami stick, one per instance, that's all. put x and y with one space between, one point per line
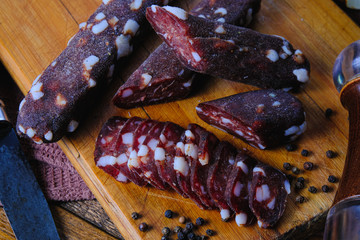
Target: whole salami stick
62 94
230 52
162 78
234 181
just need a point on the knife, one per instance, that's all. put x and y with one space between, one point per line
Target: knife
24 203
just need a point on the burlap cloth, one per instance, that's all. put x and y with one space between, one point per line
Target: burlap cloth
58 179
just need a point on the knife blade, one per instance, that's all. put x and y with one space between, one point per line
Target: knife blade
24 202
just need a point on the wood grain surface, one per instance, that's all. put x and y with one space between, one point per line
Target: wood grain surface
33 33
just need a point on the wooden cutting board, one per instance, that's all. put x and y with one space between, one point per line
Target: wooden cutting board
33 33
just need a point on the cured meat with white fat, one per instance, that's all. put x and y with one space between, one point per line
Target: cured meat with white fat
230 52
263 118
67 89
212 173
161 77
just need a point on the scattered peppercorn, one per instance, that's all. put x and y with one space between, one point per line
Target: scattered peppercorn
164 238
210 232
301 179
299 185
290 147
305 153
182 219
181 235
189 226
166 231
191 236
295 170
287 166
168 213
330 154
332 179
200 221
177 229
325 188
312 189
203 237
135 215
290 178
300 199
328 112
308 166
143 227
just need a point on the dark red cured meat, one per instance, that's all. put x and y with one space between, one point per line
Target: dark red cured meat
104 154
218 174
145 154
263 118
67 89
230 52
186 151
140 135
170 135
206 142
161 77
236 193
268 190
123 147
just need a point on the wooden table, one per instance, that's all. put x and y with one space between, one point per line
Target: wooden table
33 33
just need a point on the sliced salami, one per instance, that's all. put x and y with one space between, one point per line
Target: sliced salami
186 152
230 52
165 154
199 169
104 154
218 175
124 148
146 153
66 90
263 118
236 193
162 78
267 197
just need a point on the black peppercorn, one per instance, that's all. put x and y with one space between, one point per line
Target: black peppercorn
287 166
210 232
203 237
295 170
200 221
166 231
308 166
164 238
168 213
300 199
135 215
332 179
189 226
181 235
143 227
301 179
191 236
325 188
290 147
305 153
328 112
290 178
330 154
312 189
299 185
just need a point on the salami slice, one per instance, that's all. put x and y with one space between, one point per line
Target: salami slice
67 89
263 118
230 52
267 197
236 193
104 154
186 151
218 175
199 169
165 153
145 154
162 78
123 149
